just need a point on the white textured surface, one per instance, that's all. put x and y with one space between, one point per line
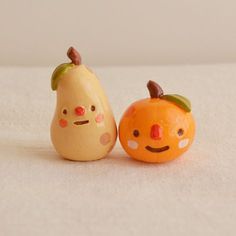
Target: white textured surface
41 194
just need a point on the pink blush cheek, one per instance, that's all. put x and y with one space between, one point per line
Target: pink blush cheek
105 138
99 118
63 123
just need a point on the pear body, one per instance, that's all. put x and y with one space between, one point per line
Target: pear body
83 127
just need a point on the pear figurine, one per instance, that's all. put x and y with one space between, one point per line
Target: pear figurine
83 127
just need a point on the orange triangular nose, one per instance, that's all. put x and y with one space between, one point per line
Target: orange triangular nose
156 132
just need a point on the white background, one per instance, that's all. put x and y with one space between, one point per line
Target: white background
124 32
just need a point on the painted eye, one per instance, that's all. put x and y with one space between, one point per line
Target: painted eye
93 108
136 133
64 111
180 132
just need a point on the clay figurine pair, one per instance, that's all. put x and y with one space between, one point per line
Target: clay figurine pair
155 129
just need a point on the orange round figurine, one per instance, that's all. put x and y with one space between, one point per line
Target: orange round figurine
157 129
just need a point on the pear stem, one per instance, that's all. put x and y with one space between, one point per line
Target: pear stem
74 55
155 89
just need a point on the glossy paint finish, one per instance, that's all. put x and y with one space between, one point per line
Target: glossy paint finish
156 130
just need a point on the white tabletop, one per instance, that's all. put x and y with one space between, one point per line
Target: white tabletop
42 194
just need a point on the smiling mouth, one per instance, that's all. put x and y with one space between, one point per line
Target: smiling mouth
82 122
161 149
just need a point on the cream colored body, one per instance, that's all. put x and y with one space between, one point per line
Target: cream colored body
80 87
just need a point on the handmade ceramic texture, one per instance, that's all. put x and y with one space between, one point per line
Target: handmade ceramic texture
157 129
83 127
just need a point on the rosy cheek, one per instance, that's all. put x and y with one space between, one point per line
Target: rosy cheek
183 143
132 144
105 138
99 118
63 123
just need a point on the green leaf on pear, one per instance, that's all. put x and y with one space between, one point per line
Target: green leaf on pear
179 101
58 72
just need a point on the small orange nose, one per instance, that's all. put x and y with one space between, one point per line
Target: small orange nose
79 111
156 132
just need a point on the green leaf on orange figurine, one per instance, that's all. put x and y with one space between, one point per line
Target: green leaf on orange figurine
178 100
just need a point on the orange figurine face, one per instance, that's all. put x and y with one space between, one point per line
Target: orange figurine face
157 129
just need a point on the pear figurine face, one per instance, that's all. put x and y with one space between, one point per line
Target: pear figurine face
83 127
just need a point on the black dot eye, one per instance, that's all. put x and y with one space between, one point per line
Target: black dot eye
136 133
93 108
64 111
180 132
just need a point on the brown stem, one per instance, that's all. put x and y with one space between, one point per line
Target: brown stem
154 89
74 56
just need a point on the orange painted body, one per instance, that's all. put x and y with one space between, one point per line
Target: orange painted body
156 130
